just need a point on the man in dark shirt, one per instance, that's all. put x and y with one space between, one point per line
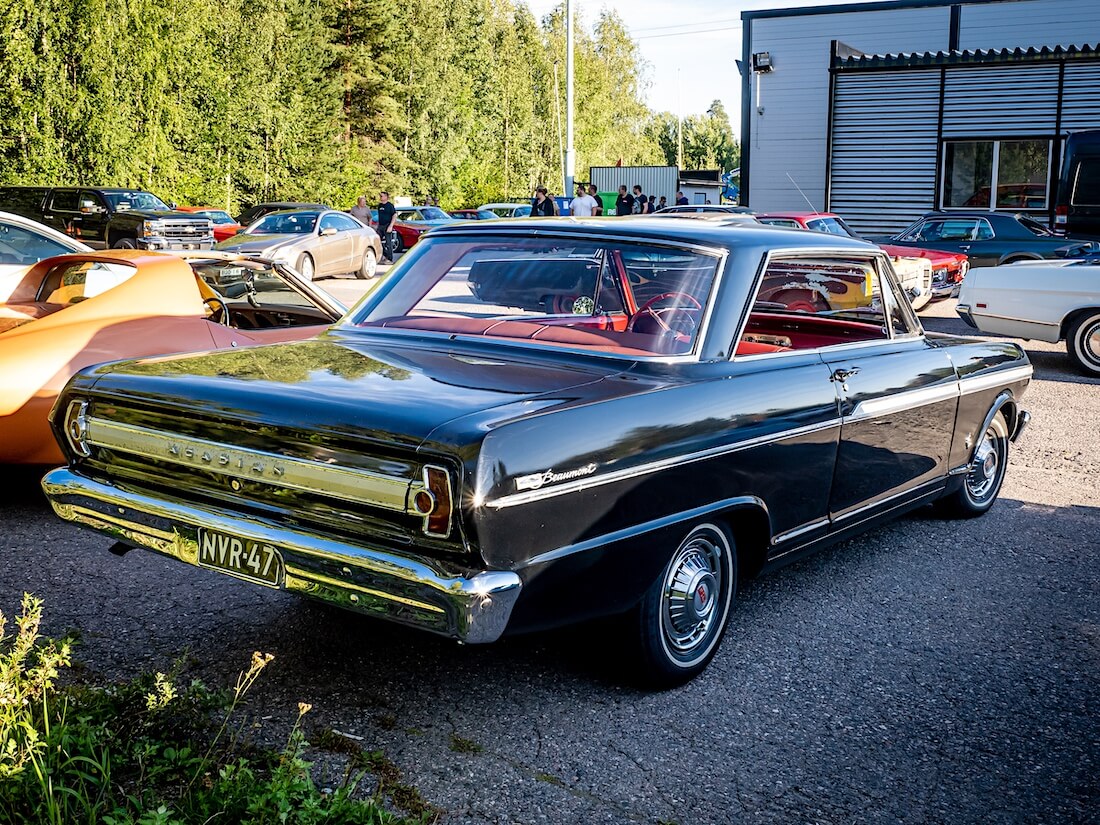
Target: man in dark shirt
624 204
386 211
681 200
594 192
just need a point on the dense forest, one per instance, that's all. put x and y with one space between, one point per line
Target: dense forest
231 102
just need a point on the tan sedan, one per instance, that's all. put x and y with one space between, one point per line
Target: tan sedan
316 242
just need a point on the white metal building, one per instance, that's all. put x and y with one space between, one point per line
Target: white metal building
883 111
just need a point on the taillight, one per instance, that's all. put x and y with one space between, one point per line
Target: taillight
1061 215
434 502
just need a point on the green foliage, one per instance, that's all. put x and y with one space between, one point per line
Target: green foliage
708 141
231 102
150 752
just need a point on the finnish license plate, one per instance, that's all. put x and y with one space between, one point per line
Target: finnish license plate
256 561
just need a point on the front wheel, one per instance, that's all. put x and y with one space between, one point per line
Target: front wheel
306 268
125 243
1083 343
985 476
369 266
680 621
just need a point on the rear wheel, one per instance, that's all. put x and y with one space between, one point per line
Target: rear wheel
398 242
680 621
987 472
369 266
1083 343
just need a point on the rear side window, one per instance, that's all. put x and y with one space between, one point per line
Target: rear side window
64 200
1086 183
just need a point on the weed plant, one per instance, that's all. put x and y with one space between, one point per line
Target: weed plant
149 752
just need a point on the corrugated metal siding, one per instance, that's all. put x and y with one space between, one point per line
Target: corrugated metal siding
790 137
884 148
654 180
1081 96
1000 101
1035 23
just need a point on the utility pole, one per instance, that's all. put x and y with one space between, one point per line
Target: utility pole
679 126
570 168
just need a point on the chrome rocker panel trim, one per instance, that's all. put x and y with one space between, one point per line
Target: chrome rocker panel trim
473 609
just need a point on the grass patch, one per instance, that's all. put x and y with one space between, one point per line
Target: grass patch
155 752
460 745
549 779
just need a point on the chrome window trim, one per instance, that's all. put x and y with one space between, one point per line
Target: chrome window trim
360 486
599 480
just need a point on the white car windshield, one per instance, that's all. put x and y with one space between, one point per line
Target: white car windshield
613 297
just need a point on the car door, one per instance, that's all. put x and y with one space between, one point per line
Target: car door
333 247
90 225
352 231
61 208
898 395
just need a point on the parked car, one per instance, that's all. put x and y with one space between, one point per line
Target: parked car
254 213
704 207
508 210
66 313
948 268
719 216
24 242
116 218
473 214
410 222
987 238
1077 204
223 223
476 470
1046 300
316 242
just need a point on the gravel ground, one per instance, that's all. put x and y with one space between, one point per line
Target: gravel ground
928 671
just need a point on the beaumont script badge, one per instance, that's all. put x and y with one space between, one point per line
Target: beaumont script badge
536 480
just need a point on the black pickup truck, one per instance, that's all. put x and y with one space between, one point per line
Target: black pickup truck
115 218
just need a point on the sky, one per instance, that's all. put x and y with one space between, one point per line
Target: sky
690 45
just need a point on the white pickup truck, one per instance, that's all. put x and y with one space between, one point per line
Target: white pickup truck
1057 300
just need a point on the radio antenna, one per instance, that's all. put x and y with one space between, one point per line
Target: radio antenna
803 194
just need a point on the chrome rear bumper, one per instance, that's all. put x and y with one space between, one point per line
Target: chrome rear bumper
472 608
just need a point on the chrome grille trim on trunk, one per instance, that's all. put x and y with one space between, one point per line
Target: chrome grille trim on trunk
360 486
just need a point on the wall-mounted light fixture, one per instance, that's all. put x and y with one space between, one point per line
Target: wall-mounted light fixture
762 62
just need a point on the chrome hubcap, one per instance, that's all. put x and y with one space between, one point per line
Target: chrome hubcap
692 594
986 467
1092 343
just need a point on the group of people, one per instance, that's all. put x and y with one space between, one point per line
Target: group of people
587 203
386 213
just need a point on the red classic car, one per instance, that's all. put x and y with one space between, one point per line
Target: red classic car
948 268
224 225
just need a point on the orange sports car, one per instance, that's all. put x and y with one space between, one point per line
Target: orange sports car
71 311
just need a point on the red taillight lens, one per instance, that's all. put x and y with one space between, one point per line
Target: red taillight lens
1061 213
437 522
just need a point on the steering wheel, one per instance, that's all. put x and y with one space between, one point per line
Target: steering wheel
219 312
647 309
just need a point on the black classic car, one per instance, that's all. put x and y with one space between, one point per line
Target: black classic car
987 238
636 448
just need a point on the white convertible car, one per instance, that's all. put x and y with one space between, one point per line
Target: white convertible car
1051 301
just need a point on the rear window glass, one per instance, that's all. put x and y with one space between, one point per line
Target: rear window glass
72 283
19 245
612 297
1086 186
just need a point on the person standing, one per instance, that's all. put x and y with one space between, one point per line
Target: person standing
652 205
624 204
386 213
663 203
595 195
361 212
542 206
583 206
639 200
681 200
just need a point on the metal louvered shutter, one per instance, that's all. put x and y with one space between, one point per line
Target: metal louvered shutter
883 158
1081 97
996 101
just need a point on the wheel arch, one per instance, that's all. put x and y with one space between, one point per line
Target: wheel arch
1013 257
1071 318
1004 402
750 525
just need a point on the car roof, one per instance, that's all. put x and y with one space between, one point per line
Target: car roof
501 205
798 215
42 229
719 234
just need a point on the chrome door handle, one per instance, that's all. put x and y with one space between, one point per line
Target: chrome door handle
965 248
843 375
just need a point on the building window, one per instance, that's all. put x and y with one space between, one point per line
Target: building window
996 174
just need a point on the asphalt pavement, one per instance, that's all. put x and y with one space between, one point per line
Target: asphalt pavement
929 671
